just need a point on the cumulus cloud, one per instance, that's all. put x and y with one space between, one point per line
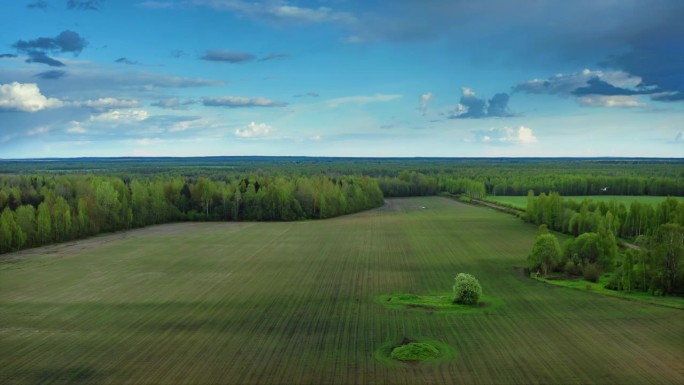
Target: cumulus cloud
237 102
506 135
227 56
86 5
25 97
51 75
254 130
174 103
361 100
610 101
472 107
424 100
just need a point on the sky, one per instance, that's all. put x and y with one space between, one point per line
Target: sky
401 78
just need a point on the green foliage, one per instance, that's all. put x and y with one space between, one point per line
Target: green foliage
545 254
415 351
75 206
591 272
467 289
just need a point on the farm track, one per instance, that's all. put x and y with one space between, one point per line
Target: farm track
283 303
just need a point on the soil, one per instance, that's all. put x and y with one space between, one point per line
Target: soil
71 247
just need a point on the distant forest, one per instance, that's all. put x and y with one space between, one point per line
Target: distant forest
53 200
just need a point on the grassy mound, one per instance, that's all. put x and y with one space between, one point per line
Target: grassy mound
441 303
415 351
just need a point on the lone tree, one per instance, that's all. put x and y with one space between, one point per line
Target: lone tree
546 253
467 289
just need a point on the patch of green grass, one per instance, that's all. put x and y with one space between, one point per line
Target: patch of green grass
442 303
599 288
415 351
521 201
296 303
424 350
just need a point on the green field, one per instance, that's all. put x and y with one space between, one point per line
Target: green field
296 303
521 201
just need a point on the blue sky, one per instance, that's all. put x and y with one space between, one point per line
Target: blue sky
341 78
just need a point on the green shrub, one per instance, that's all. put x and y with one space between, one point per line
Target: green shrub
464 198
415 351
572 268
467 289
591 272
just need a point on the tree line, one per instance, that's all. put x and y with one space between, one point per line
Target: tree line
41 209
656 265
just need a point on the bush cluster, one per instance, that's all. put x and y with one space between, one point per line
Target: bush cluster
467 289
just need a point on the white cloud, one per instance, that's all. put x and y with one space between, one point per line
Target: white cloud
679 138
119 116
278 11
505 135
424 100
75 127
566 84
315 138
107 103
254 130
467 92
238 101
38 131
362 99
610 101
25 97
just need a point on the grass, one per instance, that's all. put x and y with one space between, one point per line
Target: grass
599 288
520 202
442 303
415 351
284 303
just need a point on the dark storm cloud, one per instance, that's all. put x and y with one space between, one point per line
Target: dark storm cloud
7 56
40 57
40 4
658 60
67 41
227 56
51 75
85 5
